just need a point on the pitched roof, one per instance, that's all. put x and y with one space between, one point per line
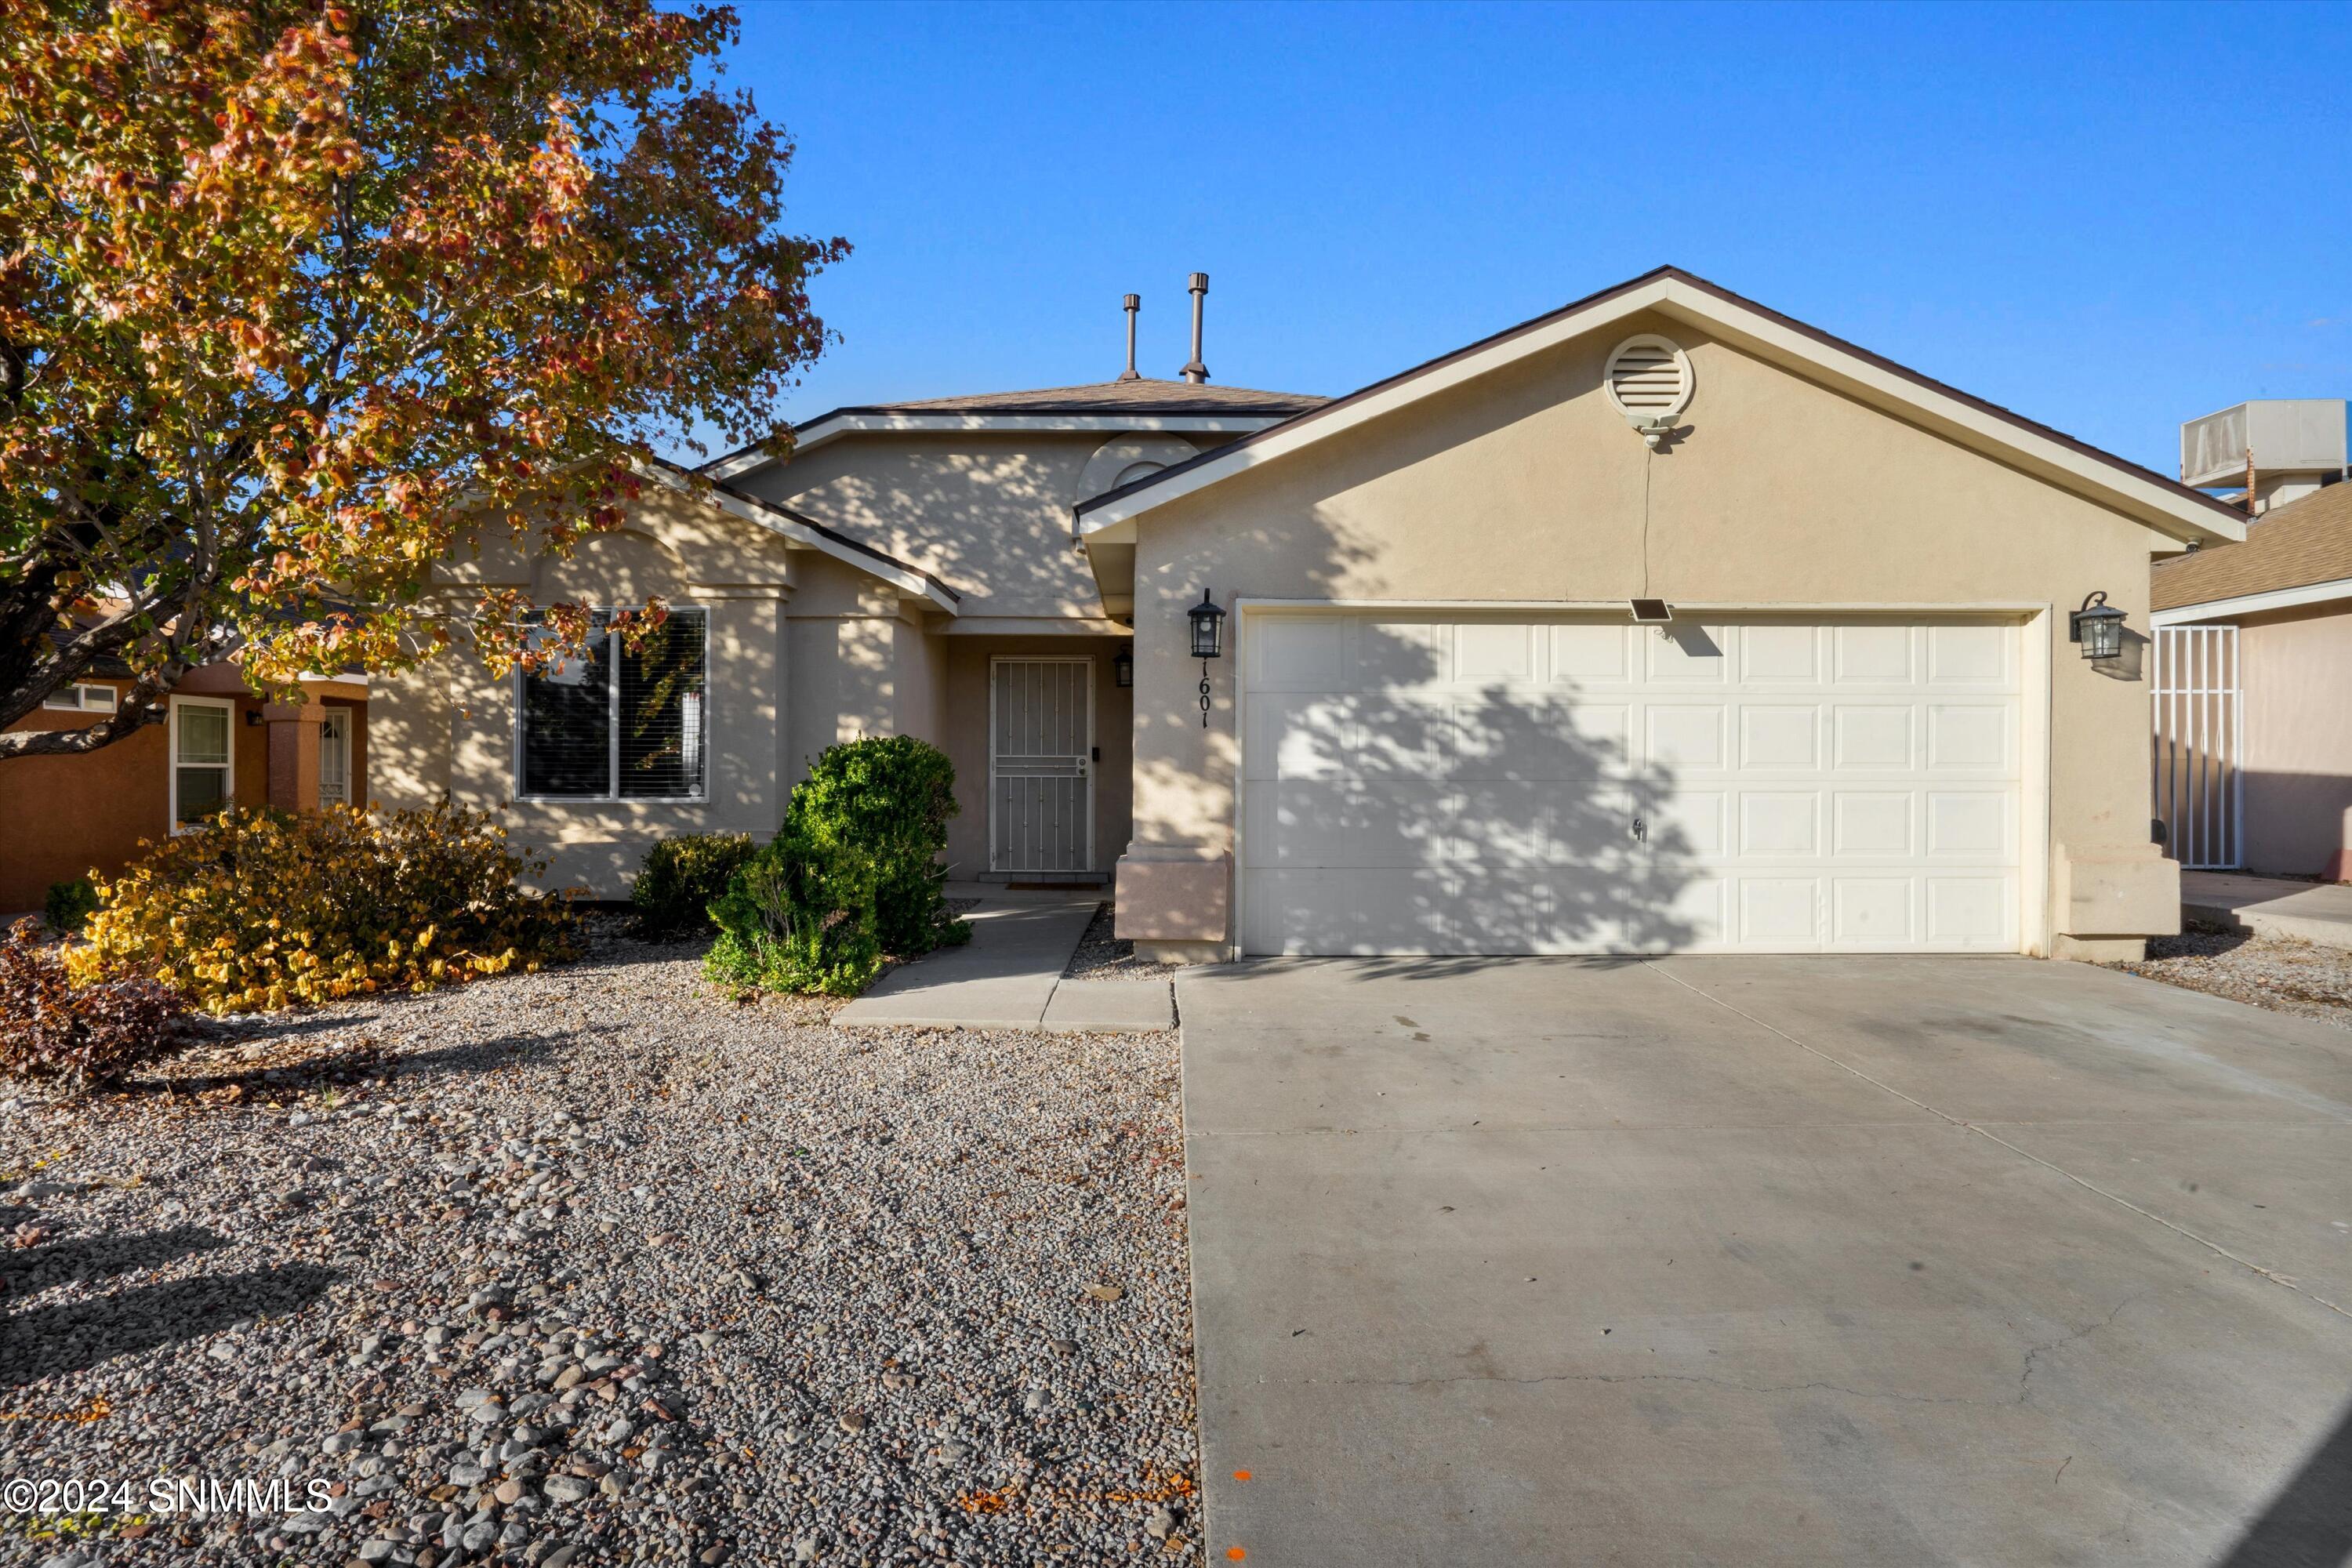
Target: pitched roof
1110 397
803 529
2292 546
2152 497
1104 405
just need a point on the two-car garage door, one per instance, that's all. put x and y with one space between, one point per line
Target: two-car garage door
1508 785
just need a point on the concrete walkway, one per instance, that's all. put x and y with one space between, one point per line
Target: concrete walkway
2268 906
1802 1261
1009 976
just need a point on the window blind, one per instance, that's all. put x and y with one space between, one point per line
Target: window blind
618 723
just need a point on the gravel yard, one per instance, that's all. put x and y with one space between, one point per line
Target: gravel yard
1102 956
596 1267
2277 972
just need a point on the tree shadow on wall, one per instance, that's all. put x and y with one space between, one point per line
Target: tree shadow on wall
1398 810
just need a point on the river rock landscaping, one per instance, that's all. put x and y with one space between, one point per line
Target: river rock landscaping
599 1266
2278 973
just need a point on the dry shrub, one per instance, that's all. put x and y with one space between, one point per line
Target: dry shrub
50 1027
262 909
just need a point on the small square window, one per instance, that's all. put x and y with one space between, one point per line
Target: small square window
81 699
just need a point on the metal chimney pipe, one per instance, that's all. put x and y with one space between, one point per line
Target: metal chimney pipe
1134 303
1196 371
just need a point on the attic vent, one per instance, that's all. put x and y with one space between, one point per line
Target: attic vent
1648 381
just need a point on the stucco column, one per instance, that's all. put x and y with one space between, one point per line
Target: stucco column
294 753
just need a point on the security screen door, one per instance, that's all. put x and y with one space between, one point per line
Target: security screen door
1040 764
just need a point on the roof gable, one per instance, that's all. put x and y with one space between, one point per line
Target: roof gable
2146 497
808 534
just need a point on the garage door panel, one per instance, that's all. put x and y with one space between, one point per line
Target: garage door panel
1774 653
1484 652
1401 737
1474 787
1687 654
1880 737
1779 824
1297 653
1779 911
1690 737
1871 654
1687 824
1972 656
1975 824
1974 736
1780 735
1873 823
1539 737
1972 912
1873 911
1299 736
1592 655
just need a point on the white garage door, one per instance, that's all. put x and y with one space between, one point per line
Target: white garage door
1430 787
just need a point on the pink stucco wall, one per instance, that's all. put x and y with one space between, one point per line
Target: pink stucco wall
2298 763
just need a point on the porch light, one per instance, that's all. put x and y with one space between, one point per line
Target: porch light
1208 627
1122 669
2098 626
1208 643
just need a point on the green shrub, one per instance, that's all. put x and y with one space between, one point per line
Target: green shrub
85 1035
853 874
69 904
682 877
887 798
799 916
262 909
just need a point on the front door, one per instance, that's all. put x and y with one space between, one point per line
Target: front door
1041 790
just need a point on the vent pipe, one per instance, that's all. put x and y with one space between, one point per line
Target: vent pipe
1196 371
1134 303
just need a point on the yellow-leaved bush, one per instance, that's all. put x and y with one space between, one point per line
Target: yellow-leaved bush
262 909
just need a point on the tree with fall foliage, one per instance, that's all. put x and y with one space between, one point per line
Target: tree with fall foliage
291 293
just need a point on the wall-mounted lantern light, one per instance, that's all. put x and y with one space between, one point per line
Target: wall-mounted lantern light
1208 643
1122 669
2098 626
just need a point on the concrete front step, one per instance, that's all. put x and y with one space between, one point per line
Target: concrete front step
2317 912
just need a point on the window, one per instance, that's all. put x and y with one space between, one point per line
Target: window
335 758
620 723
81 698
202 759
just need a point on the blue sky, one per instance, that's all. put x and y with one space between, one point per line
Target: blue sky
2110 218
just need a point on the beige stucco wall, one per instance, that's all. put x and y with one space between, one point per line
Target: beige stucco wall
2298 686
804 650
988 513
1526 486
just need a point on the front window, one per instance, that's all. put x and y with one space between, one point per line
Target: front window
615 722
200 738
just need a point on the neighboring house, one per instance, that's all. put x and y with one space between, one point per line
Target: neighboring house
64 817
2254 764
1445 716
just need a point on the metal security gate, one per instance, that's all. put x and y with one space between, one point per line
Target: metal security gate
2200 739
1041 792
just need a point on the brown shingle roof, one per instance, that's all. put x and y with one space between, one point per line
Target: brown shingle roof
1147 395
2304 541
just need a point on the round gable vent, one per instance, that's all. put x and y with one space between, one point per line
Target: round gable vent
1649 382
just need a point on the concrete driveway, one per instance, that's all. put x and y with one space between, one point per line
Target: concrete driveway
1766 1261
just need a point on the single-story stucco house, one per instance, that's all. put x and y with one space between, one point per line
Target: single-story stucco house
1660 622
